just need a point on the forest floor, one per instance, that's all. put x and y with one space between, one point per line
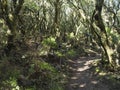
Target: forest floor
82 76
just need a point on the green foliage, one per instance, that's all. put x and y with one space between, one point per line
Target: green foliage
47 66
50 42
59 54
71 53
49 76
113 35
31 4
9 75
4 32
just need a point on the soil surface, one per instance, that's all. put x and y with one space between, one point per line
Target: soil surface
83 77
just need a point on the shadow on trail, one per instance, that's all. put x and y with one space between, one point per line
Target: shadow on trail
82 76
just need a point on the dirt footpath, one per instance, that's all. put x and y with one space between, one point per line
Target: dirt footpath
82 77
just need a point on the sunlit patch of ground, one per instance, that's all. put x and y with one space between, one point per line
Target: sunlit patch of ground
82 77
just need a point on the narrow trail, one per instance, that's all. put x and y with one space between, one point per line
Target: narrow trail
82 77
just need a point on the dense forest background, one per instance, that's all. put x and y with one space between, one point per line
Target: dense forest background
37 37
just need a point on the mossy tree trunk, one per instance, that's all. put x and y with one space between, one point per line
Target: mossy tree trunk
99 29
57 32
9 15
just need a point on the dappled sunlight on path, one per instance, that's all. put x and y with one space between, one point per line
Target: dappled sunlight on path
82 77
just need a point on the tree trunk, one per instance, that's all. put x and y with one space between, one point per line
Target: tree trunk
11 21
99 29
